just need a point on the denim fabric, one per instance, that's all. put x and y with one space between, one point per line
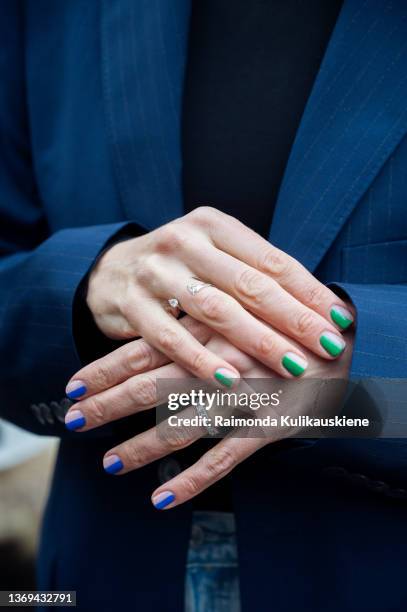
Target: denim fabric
212 576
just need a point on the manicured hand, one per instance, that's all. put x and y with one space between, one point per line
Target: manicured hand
260 299
139 392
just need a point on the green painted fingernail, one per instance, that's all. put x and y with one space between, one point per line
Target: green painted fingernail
226 377
332 343
341 316
295 364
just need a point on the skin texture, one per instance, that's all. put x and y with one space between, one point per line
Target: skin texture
125 382
263 315
262 300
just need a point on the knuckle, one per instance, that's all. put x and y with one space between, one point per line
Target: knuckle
204 215
96 410
142 274
274 262
266 345
199 362
101 376
140 356
125 331
170 238
143 392
147 270
251 285
169 339
191 485
315 296
214 306
219 462
126 306
304 323
134 455
176 437
121 325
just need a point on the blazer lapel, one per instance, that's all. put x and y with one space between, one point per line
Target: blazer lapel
143 53
355 117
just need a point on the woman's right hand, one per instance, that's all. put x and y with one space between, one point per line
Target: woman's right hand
251 281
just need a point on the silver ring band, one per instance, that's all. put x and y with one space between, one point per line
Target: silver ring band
202 412
194 286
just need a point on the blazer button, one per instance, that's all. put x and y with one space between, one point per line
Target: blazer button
36 410
358 479
378 486
167 469
47 413
397 493
61 408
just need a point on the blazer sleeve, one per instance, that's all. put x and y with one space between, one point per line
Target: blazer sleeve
378 373
39 273
380 348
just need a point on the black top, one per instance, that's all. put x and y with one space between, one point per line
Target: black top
251 67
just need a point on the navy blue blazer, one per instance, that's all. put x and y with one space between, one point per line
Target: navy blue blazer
90 103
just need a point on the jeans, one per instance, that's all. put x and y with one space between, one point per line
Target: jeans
212 579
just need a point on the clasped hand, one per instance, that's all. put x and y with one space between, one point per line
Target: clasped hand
263 315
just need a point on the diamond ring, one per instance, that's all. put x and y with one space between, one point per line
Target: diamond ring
173 302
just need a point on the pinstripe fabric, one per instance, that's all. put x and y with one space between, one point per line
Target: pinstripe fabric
38 353
354 119
44 251
144 47
342 206
342 198
89 128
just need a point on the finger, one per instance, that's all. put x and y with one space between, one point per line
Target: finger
143 391
133 358
151 445
134 395
235 238
164 439
264 297
225 315
211 467
166 334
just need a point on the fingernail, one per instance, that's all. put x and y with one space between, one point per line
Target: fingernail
75 389
226 377
112 464
162 500
341 316
332 343
295 364
74 419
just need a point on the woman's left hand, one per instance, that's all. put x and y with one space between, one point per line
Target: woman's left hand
139 392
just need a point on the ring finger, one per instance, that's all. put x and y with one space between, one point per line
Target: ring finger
165 333
225 315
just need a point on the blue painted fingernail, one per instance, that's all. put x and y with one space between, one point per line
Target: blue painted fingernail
164 499
112 464
74 419
75 389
